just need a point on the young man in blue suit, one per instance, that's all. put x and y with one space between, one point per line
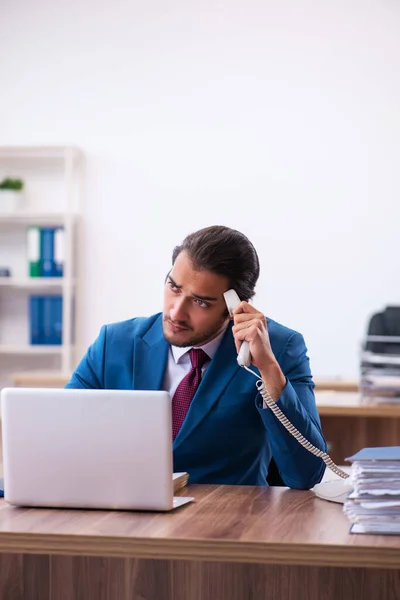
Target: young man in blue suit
225 435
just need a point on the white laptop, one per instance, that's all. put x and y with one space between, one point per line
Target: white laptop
108 449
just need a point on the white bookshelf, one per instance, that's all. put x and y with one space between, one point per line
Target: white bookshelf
34 283
25 218
52 196
27 349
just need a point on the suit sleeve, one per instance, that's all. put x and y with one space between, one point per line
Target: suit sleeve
89 374
297 466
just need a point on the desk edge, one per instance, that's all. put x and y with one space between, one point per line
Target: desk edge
284 553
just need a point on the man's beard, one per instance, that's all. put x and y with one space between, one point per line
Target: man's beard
193 339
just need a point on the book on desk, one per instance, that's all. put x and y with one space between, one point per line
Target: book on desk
180 481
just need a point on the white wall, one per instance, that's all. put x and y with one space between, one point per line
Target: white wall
280 119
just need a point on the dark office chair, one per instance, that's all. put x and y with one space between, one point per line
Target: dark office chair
273 477
386 323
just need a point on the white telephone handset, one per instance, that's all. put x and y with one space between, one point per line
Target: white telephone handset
335 491
232 300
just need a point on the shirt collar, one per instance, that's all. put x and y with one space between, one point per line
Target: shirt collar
210 348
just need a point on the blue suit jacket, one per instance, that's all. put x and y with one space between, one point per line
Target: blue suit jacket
227 437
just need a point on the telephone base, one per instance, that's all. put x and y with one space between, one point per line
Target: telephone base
335 490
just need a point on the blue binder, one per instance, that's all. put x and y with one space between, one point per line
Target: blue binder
45 320
391 453
52 320
57 306
59 251
35 320
47 265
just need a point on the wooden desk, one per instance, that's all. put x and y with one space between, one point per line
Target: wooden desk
349 425
337 385
233 543
40 379
57 379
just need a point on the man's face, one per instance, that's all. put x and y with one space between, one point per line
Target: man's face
194 306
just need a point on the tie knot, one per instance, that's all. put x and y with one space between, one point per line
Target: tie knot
198 357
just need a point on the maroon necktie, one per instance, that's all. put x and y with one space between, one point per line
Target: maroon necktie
187 389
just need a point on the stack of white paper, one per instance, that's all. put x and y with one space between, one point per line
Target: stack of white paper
380 374
374 505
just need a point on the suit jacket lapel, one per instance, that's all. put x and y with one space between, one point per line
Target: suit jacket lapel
218 375
150 358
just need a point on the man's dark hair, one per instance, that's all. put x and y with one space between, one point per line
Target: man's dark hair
226 252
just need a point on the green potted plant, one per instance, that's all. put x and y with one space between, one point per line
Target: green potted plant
10 194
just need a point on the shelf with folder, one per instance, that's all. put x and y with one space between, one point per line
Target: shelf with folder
27 349
30 283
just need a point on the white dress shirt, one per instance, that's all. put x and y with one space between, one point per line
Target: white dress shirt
179 363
